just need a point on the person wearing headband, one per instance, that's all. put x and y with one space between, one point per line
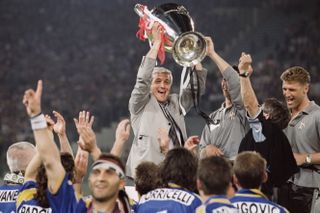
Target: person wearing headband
105 180
19 155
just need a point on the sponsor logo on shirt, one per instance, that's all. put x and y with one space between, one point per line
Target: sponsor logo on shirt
302 125
177 195
7 196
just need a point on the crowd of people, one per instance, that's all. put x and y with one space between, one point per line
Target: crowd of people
92 54
255 153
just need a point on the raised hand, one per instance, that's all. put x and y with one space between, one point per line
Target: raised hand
123 130
156 31
87 137
212 150
122 136
81 164
210 46
58 127
245 62
192 143
32 100
84 119
50 122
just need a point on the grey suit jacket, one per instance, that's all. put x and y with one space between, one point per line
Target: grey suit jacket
147 116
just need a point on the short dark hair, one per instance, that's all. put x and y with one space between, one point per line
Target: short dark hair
296 74
249 168
179 167
215 175
147 177
277 111
67 162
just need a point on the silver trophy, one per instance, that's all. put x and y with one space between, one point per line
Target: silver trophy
188 47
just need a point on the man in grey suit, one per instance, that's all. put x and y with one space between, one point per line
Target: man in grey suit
154 109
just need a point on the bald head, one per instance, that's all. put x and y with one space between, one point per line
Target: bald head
19 155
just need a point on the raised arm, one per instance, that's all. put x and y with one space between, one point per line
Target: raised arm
248 95
59 127
141 92
81 166
32 168
220 62
186 93
228 73
156 34
122 136
87 137
46 147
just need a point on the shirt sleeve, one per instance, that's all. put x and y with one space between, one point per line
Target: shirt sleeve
256 126
26 192
141 93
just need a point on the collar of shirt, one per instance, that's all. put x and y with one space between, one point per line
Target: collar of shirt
311 107
218 199
251 192
91 208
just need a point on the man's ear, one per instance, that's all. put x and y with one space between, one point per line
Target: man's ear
236 181
122 184
264 177
230 191
199 184
306 89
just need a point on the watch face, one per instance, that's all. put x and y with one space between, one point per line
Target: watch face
308 159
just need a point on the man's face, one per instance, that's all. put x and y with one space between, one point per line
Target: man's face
104 184
160 86
294 93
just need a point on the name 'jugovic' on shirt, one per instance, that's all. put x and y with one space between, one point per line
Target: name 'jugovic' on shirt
254 201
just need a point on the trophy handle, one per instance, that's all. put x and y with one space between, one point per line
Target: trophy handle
144 12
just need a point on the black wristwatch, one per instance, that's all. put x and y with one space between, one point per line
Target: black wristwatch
244 75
